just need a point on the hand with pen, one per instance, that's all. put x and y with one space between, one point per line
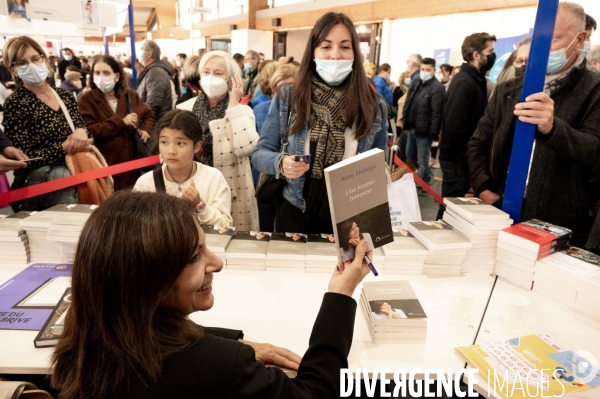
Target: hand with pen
349 274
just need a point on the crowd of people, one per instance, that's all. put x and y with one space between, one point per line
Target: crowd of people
219 120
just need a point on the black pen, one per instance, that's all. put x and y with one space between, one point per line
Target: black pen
370 264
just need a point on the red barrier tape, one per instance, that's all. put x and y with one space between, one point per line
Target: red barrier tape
59 184
420 182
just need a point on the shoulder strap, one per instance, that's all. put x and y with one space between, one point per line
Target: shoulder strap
159 180
128 101
285 131
64 110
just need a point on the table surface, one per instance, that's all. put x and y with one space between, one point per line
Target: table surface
544 315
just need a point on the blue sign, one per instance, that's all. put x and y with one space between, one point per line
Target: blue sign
441 57
504 48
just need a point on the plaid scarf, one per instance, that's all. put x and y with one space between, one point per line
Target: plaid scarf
205 115
328 126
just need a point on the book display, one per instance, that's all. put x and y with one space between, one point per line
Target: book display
393 312
66 229
588 292
562 271
218 238
517 367
248 250
54 327
321 253
13 240
447 247
480 223
287 252
358 200
521 245
406 255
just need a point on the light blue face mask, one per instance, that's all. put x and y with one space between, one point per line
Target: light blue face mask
68 57
587 47
333 72
558 59
247 66
34 75
425 76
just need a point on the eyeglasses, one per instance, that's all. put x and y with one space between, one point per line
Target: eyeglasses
520 62
22 64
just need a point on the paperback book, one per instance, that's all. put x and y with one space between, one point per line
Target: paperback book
54 326
217 237
287 251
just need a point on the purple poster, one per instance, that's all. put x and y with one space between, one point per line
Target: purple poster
27 299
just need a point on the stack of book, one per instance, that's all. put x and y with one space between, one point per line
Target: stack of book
447 247
248 251
393 312
287 252
321 253
588 292
406 255
37 226
519 247
66 229
561 271
13 240
218 238
480 223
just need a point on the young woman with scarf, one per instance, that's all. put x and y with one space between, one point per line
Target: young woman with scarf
334 115
228 131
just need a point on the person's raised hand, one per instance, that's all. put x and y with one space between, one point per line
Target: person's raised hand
237 91
293 169
281 357
192 193
348 275
538 109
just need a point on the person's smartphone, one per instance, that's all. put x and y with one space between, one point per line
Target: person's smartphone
32 159
303 158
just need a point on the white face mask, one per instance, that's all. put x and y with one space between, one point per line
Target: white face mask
34 74
213 86
587 46
105 83
334 72
178 63
407 81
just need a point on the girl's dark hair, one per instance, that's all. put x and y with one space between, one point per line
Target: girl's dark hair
116 68
178 119
446 67
118 330
344 234
376 306
361 98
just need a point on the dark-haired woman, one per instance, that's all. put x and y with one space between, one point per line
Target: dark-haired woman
334 115
105 113
141 267
350 236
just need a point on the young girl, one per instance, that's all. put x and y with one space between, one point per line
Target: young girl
179 136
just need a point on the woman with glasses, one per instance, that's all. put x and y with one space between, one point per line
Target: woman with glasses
228 131
37 119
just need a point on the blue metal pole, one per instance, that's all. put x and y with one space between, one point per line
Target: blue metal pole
535 75
132 39
105 39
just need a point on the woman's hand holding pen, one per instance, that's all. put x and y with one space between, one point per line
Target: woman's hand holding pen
348 275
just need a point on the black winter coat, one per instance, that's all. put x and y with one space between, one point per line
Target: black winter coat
559 191
430 96
465 105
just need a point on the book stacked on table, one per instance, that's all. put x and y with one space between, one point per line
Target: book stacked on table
66 229
36 226
321 253
588 292
287 252
393 312
13 240
561 271
480 223
248 251
406 255
447 247
521 245
218 238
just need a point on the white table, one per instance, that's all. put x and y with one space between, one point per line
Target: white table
544 314
280 308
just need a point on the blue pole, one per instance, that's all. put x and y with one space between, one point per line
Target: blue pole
105 39
535 75
132 39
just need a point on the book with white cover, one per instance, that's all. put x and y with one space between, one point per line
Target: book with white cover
568 265
321 248
217 237
473 208
10 224
287 247
404 244
393 303
248 245
358 201
536 237
439 236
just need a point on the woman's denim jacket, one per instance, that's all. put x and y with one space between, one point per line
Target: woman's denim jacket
267 156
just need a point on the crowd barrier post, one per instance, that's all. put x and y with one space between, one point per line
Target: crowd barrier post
132 41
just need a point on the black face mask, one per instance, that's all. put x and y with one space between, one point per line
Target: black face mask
491 60
519 71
